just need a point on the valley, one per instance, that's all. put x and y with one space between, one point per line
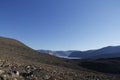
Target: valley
20 62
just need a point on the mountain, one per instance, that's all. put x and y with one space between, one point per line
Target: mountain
20 62
16 52
106 52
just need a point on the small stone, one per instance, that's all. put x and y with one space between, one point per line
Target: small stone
1 72
15 79
15 73
47 76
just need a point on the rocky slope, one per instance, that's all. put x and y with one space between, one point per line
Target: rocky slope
19 62
10 71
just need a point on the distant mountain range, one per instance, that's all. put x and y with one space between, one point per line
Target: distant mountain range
106 52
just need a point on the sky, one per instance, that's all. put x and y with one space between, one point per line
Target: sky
61 24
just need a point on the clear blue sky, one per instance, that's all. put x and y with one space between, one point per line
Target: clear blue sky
61 24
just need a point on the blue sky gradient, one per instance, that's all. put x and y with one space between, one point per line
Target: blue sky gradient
61 24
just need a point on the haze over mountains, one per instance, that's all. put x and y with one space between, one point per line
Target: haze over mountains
106 52
63 54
